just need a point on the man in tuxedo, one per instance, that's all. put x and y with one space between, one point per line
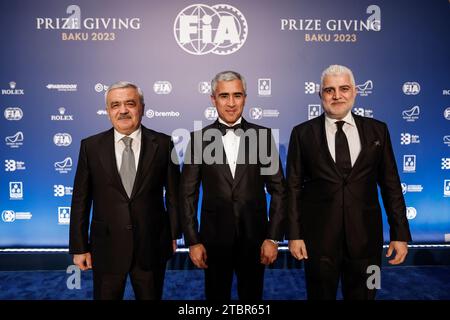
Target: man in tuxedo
122 173
234 161
335 163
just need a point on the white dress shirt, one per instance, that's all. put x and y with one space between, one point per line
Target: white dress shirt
119 146
231 145
351 132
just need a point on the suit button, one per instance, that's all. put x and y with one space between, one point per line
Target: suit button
129 227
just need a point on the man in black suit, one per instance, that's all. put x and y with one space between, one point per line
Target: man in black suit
122 173
234 161
335 163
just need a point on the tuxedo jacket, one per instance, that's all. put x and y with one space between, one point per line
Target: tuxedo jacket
324 208
232 207
143 224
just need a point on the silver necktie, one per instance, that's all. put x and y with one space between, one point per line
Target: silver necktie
128 167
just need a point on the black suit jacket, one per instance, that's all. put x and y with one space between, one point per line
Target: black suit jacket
236 207
323 207
121 226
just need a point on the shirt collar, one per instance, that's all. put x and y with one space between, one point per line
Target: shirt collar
348 119
136 135
224 123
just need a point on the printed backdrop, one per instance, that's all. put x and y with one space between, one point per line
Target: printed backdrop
58 58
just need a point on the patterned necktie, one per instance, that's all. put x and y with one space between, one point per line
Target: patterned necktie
128 167
343 161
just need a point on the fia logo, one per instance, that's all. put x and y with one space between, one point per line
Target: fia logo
63 215
62 139
13 114
162 87
314 110
411 88
200 29
265 87
409 163
447 113
16 190
211 113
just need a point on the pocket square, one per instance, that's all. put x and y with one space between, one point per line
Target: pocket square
377 143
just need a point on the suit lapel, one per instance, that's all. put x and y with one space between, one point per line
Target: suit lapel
241 165
223 167
321 136
108 160
242 158
359 121
148 151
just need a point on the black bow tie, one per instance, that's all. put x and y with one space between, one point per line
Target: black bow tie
224 128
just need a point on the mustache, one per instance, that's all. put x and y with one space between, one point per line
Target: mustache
124 116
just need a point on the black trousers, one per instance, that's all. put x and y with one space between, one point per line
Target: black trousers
324 272
242 259
147 284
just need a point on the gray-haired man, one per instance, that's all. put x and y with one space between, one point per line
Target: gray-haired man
122 174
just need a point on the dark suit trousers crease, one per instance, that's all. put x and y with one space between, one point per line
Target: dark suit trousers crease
324 272
243 259
147 284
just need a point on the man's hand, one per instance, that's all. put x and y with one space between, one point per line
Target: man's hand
197 253
174 245
298 249
401 250
269 252
83 261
